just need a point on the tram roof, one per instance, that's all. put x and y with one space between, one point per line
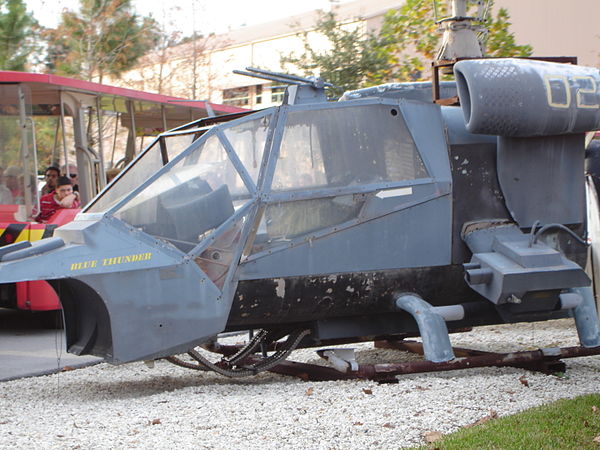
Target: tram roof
46 89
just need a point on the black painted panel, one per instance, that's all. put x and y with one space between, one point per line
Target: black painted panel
476 194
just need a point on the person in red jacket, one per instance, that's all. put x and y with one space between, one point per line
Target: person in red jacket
51 175
62 197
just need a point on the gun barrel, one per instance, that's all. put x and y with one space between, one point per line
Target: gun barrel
283 76
267 77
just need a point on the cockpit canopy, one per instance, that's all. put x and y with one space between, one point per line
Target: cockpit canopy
304 164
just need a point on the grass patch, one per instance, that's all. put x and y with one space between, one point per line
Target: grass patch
565 424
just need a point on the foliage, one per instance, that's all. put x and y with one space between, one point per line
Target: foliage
410 38
17 32
45 133
501 42
566 424
407 43
165 41
103 37
353 59
10 141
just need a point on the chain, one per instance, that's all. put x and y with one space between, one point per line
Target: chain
226 366
247 349
280 355
181 363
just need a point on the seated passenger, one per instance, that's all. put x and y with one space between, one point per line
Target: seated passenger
6 197
14 182
62 197
51 175
71 172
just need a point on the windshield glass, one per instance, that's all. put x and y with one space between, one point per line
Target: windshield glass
194 196
248 139
147 164
160 152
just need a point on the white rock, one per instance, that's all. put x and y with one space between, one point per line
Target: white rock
135 407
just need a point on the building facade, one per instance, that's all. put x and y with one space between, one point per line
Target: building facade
203 69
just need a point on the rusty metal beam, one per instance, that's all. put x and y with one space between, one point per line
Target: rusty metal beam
417 347
310 372
543 360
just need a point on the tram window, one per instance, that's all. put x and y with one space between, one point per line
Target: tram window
177 143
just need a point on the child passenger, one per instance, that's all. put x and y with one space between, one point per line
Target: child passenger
62 197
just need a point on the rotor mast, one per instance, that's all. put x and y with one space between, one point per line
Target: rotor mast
462 33
463 37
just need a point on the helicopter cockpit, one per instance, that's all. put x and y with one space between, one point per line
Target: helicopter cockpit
325 167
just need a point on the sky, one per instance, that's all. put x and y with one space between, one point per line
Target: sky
208 16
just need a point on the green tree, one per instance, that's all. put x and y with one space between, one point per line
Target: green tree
353 59
17 32
410 38
403 50
103 37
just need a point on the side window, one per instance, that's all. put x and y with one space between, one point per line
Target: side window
288 220
341 147
336 147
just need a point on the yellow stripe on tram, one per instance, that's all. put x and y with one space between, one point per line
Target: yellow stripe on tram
36 235
23 235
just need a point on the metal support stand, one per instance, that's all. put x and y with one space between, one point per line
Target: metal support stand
586 318
432 327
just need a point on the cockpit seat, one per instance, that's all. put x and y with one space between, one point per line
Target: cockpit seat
193 216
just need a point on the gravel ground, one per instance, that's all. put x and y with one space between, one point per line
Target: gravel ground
133 406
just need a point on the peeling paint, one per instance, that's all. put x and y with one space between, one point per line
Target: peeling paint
359 293
280 289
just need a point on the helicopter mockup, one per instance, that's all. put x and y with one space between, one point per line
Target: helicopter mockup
382 214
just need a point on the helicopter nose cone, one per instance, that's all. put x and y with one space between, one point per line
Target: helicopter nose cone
117 285
78 248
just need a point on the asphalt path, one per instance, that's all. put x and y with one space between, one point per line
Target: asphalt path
32 344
